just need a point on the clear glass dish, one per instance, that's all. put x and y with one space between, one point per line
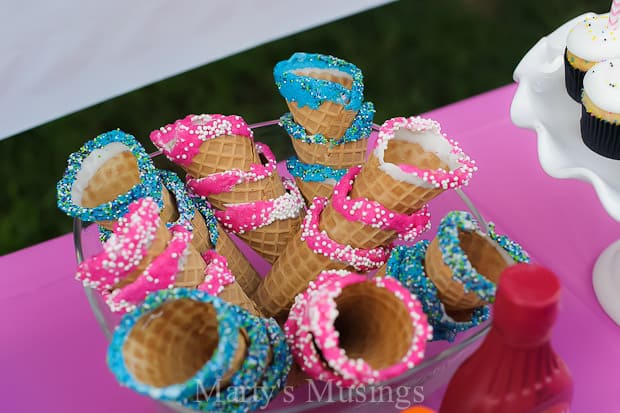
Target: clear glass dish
424 380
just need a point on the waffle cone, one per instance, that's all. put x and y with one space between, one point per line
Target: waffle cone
340 156
193 272
268 188
223 153
482 253
330 119
158 245
289 276
169 212
115 177
200 233
311 190
380 331
375 184
234 294
244 273
172 347
352 233
269 241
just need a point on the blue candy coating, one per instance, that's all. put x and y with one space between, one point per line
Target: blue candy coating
313 172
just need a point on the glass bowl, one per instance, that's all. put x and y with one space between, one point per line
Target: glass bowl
412 387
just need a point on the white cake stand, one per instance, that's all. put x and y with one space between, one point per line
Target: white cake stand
542 104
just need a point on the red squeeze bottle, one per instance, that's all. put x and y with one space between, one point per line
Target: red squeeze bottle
515 370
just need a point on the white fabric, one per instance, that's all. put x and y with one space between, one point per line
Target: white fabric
61 56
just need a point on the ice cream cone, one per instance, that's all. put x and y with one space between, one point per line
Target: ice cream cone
330 119
222 154
172 344
193 272
162 237
339 156
200 233
270 241
311 190
267 188
234 294
373 325
244 273
486 257
290 275
401 196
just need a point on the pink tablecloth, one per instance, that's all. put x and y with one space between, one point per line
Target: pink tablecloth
52 353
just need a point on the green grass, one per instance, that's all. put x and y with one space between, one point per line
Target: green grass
415 55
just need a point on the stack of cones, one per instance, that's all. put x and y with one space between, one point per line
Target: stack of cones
373 205
328 124
218 349
227 169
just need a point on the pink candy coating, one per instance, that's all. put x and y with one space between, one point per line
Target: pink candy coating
439 178
248 216
217 273
160 274
124 250
218 183
181 141
374 213
320 243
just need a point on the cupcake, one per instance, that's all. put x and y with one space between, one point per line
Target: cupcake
589 42
600 113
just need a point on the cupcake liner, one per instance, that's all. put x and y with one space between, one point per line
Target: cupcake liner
573 78
172 309
599 135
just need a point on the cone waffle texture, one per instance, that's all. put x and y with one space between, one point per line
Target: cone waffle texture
340 156
289 276
481 253
200 233
244 273
353 233
193 272
271 240
311 190
159 243
330 119
115 177
170 348
234 294
268 188
375 184
169 212
222 154
373 324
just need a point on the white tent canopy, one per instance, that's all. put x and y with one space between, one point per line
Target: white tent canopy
62 56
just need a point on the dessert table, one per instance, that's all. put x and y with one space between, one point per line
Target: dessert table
52 355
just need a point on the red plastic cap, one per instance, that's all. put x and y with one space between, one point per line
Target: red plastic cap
526 304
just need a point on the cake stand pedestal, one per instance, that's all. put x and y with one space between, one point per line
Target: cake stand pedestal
542 104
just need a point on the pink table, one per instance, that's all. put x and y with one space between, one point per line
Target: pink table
52 354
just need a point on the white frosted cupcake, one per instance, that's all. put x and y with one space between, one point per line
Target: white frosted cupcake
589 42
600 117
